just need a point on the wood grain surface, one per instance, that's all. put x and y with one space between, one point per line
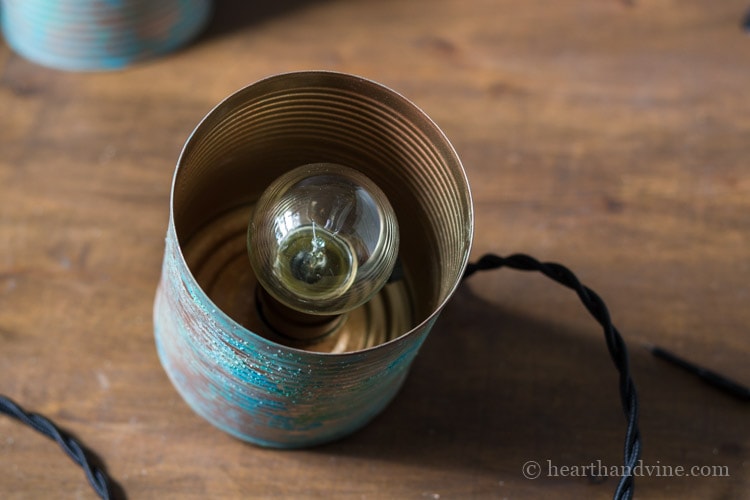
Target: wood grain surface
610 136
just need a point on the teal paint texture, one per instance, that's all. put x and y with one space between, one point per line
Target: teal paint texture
97 35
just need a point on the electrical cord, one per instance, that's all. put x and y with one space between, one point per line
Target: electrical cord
96 476
616 345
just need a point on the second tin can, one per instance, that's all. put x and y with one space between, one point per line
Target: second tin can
91 35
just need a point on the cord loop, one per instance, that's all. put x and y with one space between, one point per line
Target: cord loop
615 344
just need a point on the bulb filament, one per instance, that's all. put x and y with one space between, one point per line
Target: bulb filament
309 265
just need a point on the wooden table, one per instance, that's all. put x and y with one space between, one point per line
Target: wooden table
611 136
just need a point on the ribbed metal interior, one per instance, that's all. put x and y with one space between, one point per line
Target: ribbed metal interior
289 120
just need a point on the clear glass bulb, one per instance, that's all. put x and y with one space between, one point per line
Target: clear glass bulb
323 239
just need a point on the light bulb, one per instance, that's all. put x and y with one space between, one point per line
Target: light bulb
323 239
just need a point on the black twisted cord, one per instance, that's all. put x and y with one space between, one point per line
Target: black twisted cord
97 477
616 345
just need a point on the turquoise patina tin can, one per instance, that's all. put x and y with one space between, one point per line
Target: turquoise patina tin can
91 35
225 362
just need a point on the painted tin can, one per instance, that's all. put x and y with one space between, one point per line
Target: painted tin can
228 366
91 35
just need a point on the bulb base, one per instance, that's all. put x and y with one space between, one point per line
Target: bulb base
293 324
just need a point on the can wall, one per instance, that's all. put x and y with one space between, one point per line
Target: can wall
261 391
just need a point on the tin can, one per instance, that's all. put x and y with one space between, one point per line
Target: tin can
226 364
90 35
